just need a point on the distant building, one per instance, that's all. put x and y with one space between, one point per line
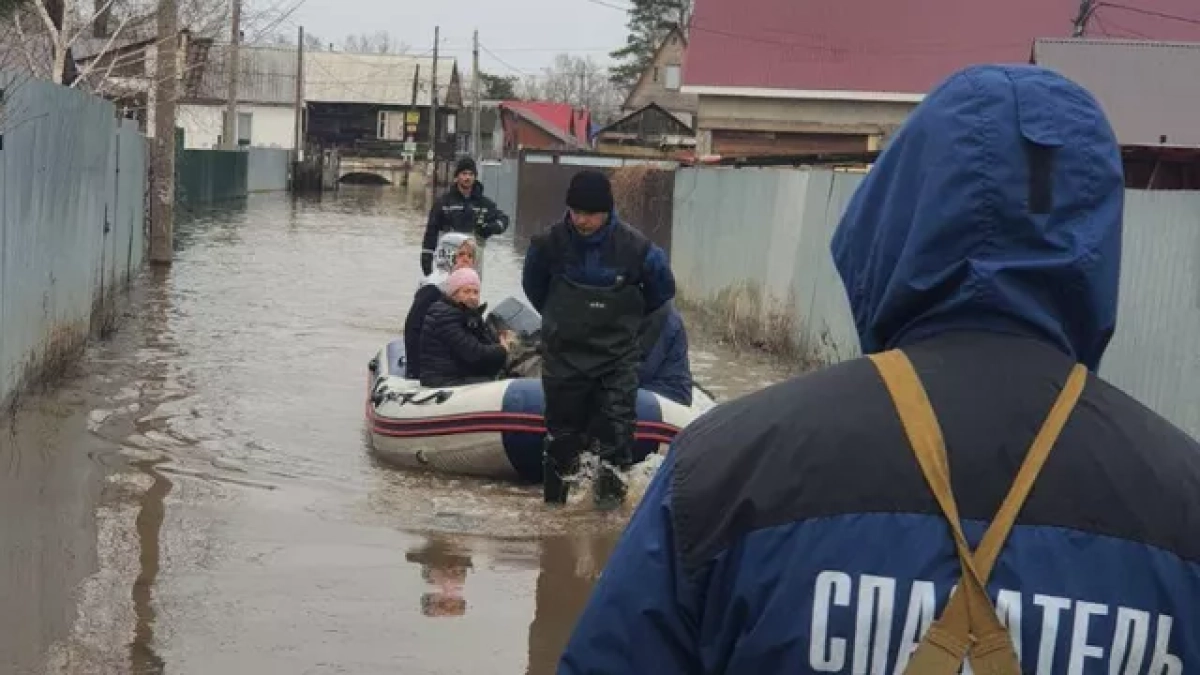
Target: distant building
779 77
122 67
1150 92
490 146
377 103
651 131
265 100
661 83
539 125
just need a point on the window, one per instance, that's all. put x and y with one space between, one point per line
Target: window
451 124
672 82
391 125
242 133
243 130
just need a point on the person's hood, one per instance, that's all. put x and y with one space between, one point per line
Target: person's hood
996 207
435 278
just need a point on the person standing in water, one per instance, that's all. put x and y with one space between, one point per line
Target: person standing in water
462 209
593 278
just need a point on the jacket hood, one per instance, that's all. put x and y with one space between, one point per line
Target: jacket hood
996 207
596 237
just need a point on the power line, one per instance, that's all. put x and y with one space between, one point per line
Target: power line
1151 12
610 5
502 62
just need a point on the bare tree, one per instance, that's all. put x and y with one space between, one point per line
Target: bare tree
580 81
379 42
93 33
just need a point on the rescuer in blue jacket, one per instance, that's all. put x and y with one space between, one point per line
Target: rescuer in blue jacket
796 530
594 279
665 369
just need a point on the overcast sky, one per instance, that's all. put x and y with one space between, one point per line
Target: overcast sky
522 35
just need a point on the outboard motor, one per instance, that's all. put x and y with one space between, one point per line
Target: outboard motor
525 360
520 318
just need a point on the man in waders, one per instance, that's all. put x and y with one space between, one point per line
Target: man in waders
593 278
821 525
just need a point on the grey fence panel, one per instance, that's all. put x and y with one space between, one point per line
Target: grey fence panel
64 246
752 247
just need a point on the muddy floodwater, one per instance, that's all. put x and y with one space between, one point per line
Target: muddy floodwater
197 496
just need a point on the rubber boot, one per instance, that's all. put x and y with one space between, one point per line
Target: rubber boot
609 488
560 463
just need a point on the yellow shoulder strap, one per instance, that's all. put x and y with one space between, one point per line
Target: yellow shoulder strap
970 624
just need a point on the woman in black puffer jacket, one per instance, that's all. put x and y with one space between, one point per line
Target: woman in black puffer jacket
429 293
457 347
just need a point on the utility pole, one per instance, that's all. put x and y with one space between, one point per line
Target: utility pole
235 39
299 140
162 202
475 94
433 110
1086 9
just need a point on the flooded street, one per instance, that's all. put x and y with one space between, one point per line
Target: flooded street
197 495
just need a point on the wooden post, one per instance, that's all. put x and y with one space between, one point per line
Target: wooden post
433 112
162 203
298 133
235 39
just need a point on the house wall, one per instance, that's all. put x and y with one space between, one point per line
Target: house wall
732 124
521 134
752 246
270 126
344 124
651 87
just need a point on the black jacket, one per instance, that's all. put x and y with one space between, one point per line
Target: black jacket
457 346
422 301
453 212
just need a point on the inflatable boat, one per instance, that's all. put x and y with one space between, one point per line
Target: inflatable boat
494 429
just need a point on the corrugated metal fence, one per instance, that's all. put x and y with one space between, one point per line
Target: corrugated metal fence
72 204
268 169
500 184
752 246
210 176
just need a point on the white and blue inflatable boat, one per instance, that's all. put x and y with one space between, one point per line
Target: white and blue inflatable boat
490 430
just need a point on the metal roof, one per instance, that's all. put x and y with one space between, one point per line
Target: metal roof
266 75
339 77
899 46
1147 89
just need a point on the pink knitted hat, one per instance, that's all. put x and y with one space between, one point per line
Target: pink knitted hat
460 279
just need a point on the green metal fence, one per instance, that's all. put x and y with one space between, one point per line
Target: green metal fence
208 176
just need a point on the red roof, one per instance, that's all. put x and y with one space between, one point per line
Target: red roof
903 46
562 117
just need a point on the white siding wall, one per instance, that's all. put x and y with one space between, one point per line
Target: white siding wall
271 126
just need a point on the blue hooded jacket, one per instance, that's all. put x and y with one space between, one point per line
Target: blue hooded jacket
790 531
665 370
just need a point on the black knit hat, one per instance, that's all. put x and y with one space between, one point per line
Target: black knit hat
465 164
590 192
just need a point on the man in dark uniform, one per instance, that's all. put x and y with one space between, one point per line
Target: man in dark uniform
593 278
462 209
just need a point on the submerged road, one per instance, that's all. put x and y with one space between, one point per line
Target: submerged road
197 496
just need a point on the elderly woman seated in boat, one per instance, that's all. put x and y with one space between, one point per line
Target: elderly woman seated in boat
464 255
457 346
